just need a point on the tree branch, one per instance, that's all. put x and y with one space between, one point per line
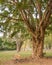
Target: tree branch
26 21
11 17
38 6
45 19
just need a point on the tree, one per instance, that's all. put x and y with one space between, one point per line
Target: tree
1 44
36 14
48 41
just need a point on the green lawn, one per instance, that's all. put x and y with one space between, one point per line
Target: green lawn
8 55
48 54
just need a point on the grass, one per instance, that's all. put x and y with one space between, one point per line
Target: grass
8 55
25 53
48 54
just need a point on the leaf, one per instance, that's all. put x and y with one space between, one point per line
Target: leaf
2 1
14 33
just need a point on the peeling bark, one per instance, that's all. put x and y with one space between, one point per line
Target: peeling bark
38 43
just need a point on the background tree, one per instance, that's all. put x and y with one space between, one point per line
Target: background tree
48 41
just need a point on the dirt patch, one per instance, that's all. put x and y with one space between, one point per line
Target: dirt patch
29 61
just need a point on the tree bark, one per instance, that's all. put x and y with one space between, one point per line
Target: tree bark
19 44
38 43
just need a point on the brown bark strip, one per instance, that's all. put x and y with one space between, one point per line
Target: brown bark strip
47 14
38 6
38 43
26 21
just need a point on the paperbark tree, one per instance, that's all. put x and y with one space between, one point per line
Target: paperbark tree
38 31
36 15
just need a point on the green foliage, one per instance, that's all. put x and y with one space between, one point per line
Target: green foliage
49 29
48 41
2 1
1 43
14 8
11 12
7 45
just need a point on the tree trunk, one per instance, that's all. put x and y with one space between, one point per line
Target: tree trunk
38 43
19 44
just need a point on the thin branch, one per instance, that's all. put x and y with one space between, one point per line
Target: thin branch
38 6
33 2
11 17
47 14
26 21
